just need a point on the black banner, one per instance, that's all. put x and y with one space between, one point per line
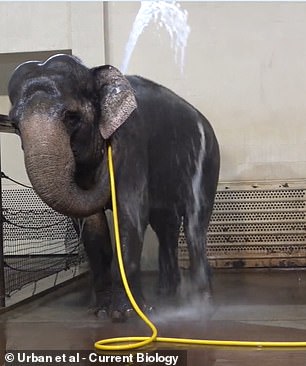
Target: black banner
78 358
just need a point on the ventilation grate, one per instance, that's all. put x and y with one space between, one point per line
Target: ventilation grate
256 226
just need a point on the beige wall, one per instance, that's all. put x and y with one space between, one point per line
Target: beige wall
244 69
35 30
43 26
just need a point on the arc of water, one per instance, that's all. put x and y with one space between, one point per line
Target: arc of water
167 14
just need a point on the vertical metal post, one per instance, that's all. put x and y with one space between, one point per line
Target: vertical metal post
2 278
106 32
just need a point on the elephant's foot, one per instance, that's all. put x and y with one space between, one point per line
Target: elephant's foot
121 308
102 303
202 281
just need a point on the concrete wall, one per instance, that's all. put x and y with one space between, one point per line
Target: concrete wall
244 69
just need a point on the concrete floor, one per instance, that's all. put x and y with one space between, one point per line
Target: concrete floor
264 306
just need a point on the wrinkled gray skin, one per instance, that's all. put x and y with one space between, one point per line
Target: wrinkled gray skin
166 160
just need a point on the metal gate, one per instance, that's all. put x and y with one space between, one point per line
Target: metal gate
256 225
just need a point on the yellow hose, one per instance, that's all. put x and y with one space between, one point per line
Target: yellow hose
119 344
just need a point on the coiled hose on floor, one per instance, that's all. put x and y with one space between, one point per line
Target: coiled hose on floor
130 343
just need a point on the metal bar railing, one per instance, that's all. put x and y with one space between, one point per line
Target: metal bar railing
2 275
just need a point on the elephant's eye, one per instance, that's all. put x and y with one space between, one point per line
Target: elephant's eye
71 119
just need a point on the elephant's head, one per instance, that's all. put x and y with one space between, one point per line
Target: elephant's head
64 113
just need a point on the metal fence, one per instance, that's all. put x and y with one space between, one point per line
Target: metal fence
37 243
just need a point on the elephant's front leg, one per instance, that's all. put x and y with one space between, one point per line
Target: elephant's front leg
97 243
132 229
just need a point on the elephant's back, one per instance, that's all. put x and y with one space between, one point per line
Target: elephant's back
162 108
180 141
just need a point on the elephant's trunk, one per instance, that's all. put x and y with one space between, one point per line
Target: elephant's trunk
50 166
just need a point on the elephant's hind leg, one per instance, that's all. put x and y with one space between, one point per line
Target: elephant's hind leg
166 225
195 228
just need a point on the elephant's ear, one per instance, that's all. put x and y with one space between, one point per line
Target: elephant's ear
117 99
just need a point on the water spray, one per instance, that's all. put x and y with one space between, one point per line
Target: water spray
167 15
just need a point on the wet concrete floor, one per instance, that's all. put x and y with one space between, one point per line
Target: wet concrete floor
246 305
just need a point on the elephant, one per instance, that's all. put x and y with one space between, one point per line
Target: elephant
166 161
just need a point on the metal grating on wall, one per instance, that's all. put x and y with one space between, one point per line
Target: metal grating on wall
38 242
256 225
